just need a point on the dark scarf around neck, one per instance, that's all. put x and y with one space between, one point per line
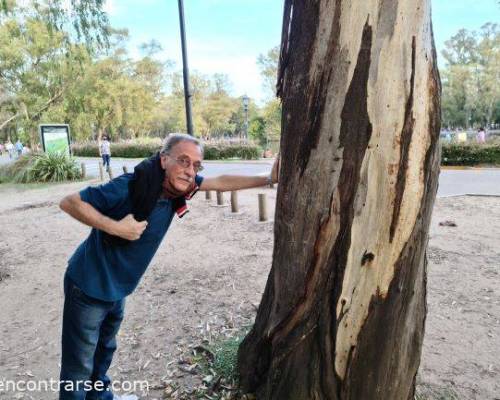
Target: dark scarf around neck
145 189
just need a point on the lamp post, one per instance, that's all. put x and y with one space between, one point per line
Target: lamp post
185 71
245 100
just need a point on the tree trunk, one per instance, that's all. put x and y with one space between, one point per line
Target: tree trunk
343 312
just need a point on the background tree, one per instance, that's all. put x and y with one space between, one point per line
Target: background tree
268 65
471 94
342 316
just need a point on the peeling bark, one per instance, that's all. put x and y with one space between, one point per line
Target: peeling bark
343 312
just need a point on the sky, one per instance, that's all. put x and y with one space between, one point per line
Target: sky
227 36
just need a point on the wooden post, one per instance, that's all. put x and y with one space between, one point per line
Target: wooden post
84 170
220 199
125 169
234 201
208 195
110 172
101 171
262 207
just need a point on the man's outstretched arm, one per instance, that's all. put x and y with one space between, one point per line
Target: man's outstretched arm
127 228
224 183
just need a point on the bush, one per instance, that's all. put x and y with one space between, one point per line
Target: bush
119 149
470 154
50 167
242 151
145 149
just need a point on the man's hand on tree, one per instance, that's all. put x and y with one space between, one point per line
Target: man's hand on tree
129 228
276 169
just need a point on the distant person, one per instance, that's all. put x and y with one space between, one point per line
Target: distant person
2 148
19 148
105 149
10 148
481 135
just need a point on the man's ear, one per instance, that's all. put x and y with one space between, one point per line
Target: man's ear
163 161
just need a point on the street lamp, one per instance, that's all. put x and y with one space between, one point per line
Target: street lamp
245 100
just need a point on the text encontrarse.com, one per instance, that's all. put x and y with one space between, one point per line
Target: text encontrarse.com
54 385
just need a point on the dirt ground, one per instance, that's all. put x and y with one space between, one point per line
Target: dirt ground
207 279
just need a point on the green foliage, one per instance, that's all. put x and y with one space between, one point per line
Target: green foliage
225 357
143 149
50 167
471 94
242 151
268 65
51 75
470 154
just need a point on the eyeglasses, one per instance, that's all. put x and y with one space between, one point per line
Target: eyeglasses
185 162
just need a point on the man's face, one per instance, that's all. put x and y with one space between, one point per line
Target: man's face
181 178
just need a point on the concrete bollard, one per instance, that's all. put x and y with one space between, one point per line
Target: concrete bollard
84 170
234 201
220 199
101 171
262 207
125 169
208 195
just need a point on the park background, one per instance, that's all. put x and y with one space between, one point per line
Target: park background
186 319
119 72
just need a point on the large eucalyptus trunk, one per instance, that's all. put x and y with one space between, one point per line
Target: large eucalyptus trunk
343 312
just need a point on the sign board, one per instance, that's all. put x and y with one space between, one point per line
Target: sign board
55 138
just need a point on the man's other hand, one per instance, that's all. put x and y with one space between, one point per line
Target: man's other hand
129 228
275 172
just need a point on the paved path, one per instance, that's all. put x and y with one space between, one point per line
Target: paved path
452 182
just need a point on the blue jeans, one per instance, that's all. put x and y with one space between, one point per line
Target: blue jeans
88 343
105 160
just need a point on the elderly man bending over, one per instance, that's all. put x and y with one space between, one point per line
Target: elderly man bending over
129 217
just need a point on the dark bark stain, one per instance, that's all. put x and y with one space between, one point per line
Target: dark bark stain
367 258
405 140
285 45
319 91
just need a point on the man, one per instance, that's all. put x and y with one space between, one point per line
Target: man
129 217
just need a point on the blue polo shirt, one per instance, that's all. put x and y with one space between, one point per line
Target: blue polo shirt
110 273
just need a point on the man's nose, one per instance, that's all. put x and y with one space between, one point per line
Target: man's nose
190 170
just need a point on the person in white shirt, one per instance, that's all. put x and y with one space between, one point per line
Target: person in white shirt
105 149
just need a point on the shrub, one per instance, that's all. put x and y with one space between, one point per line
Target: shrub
50 167
470 154
145 149
119 149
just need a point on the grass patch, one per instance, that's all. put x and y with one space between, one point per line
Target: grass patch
226 357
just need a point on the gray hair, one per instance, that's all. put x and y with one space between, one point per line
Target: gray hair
174 138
